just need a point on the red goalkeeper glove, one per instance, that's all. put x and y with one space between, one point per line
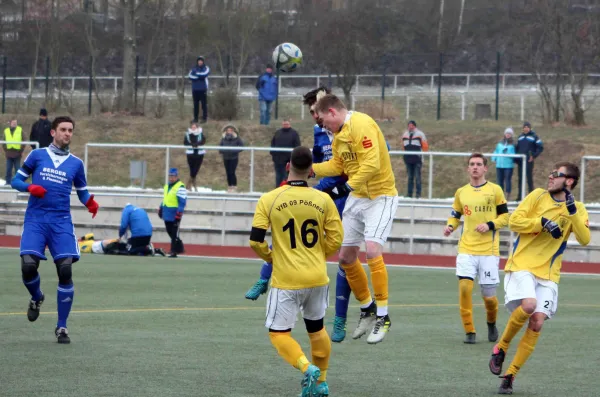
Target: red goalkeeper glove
178 216
92 206
36 191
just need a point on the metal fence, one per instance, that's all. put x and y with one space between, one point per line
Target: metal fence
253 150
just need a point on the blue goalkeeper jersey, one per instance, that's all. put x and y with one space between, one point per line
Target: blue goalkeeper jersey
57 174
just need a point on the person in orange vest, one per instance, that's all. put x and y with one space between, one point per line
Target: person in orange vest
13 149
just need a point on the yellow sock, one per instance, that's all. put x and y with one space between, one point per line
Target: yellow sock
320 346
517 319
357 279
491 307
379 278
526 347
289 349
465 302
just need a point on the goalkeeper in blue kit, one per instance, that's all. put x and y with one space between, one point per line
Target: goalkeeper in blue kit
53 171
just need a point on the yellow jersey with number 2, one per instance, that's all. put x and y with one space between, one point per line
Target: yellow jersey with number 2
305 228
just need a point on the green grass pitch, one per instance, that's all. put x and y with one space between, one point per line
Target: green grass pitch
163 327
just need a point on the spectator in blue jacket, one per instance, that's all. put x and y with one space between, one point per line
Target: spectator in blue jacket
199 77
138 223
504 165
267 87
531 146
171 210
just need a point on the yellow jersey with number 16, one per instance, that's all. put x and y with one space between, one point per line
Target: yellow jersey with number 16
305 228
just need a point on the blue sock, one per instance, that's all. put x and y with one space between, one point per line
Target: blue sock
33 287
342 294
266 270
64 301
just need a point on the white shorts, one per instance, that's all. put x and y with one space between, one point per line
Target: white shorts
97 247
283 306
521 285
368 220
484 267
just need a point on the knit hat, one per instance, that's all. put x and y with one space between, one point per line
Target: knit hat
173 172
413 123
200 58
43 112
527 124
509 131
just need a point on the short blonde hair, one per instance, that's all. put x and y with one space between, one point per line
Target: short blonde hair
329 101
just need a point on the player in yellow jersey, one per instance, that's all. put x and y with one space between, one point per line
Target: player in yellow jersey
306 229
360 152
544 221
483 205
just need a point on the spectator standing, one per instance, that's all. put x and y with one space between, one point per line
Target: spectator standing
195 138
531 146
414 140
285 137
199 78
231 138
13 149
504 165
171 210
40 131
267 87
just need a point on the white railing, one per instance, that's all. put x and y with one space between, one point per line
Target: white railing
253 149
318 78
584 160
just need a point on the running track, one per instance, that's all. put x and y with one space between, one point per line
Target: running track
390 259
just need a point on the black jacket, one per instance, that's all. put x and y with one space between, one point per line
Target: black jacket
284 138
530 145
231 140
40 132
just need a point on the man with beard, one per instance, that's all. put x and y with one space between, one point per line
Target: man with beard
544 220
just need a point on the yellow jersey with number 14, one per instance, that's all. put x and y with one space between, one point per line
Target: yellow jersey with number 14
535 250
479 204
305 228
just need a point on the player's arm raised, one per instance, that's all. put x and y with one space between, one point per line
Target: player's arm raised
334 232
520 220
260 225
366 145
455 215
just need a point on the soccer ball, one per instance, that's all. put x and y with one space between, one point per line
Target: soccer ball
287 57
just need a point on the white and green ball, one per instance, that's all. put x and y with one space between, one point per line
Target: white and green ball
287 57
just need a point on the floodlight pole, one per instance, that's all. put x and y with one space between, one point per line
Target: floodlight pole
277 96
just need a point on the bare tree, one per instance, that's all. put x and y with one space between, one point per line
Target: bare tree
156 19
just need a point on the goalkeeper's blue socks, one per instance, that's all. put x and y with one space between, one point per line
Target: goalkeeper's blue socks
64 301
266 270
342 294
33 286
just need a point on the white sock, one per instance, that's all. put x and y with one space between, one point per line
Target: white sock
382 311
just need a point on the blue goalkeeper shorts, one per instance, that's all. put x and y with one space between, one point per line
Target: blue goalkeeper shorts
59 237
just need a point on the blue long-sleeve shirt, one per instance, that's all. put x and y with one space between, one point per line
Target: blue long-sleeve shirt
199 78
58 175
136 220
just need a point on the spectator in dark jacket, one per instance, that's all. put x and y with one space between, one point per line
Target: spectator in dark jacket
199 77
531 146
285 137
414 140
267 87
40 131
195 138
230 157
